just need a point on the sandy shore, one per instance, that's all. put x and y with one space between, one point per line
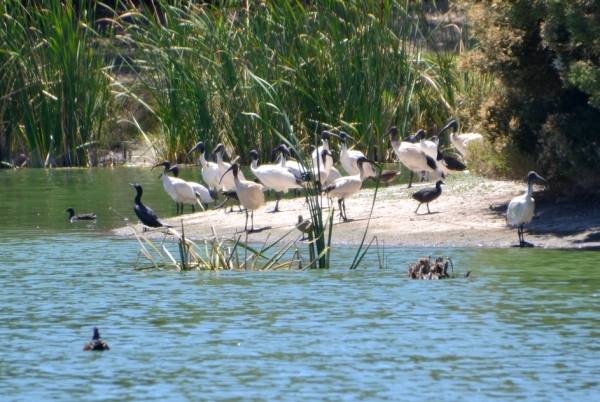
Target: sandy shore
470 213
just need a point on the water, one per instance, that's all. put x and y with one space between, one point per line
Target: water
525 325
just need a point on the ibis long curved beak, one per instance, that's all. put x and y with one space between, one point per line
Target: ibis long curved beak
227 171
540 178
192 150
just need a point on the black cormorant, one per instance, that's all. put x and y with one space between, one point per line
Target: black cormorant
145 214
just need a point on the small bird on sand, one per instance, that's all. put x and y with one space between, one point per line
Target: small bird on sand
96 343
80 217
304 226
426 195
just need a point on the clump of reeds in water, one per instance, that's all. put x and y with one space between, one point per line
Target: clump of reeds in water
424 269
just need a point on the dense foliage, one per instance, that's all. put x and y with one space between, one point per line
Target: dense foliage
545 56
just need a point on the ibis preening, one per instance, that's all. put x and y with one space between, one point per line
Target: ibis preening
426 195
179 190
347 186
348 158
202 193
461 142
210 170
250 194
96 343
521 208
411 155
274 176
80 217
304 226
145 214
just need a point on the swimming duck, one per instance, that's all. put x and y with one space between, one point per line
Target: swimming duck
81 217
96 343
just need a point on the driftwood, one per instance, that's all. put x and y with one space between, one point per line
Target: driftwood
424 269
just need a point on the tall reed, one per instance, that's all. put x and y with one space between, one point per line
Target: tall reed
54 81
360 66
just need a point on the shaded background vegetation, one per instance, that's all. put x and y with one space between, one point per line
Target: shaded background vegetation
545 57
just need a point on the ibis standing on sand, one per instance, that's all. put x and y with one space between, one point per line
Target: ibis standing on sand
210 170
145 214
250 194
426 195
347 186
80 217
461 142
520 210
202 193
348 158
274 176
411 155
179 190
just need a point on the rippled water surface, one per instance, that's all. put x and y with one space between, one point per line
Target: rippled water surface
525 325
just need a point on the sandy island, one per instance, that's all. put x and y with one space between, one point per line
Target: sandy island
470 213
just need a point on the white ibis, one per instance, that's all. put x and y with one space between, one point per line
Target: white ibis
461 142
210 170
250 194
318 164
96 343
347 186
426 195
145 214
80 217
274 176
430 146
332 176
520 210
411 155
227 181
348 158
179 190
202 193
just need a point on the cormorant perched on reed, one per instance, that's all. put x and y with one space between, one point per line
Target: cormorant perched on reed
81 217
145 214
520 210
426 195
96 343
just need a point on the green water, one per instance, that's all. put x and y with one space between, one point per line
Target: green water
525 325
